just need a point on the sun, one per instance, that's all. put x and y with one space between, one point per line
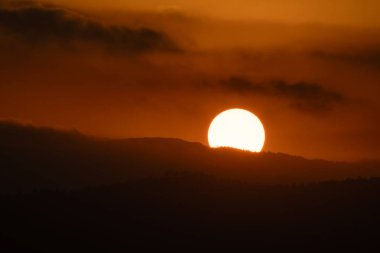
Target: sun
237 128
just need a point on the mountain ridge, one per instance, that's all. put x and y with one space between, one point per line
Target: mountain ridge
45 158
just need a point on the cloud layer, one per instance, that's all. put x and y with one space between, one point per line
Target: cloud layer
302 95
367 57
41 24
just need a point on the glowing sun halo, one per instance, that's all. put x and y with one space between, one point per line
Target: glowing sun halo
237 128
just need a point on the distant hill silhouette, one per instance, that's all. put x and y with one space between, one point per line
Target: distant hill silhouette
67 192
41 158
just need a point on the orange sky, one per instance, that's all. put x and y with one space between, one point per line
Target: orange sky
314 85
347 12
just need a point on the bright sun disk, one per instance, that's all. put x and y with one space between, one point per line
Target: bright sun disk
237 128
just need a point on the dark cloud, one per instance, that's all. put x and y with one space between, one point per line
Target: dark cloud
41 24
369 57
301 95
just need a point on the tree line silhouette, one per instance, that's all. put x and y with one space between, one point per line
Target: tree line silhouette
183 212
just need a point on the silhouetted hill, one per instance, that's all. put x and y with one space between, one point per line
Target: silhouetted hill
41 158
87 194
184 212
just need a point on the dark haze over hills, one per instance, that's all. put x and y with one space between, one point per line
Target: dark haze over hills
66 192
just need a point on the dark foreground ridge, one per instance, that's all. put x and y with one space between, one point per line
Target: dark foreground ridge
66 192
195 213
